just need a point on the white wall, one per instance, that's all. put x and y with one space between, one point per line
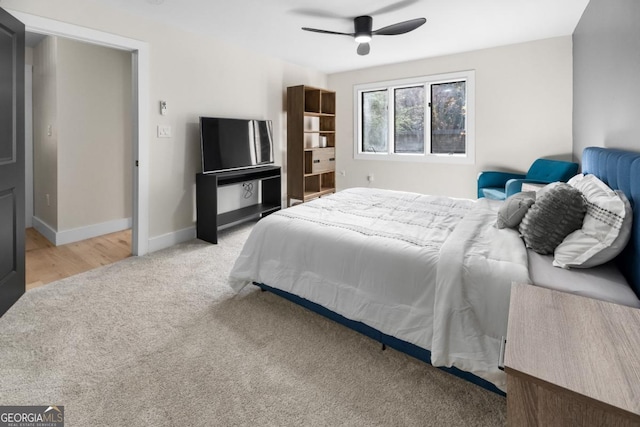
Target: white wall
83 131
45 117
196 76
95 139
523 111
606 58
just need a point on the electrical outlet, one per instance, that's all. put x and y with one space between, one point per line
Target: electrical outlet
370 177
164 131
343 173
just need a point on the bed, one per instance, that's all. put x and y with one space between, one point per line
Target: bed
427 275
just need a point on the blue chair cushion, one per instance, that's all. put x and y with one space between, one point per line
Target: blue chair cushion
491 184
494 193
547 170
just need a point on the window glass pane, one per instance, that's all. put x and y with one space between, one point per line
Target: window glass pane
448 118
375 126
409 120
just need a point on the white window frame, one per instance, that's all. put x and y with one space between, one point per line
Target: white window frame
467 158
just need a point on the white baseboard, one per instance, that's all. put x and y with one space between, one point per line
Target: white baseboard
45 229
170 239
81 233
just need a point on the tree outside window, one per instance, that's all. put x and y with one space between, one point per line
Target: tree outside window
409 120
448 118
375 122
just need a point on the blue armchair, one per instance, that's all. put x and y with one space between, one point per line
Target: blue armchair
500 185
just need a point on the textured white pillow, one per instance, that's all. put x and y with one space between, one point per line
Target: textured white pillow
514 209
605 230
556 213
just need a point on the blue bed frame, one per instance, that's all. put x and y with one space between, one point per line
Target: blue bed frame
619 169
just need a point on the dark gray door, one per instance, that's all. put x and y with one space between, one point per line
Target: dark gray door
11 160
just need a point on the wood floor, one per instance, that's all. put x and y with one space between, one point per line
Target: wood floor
46 263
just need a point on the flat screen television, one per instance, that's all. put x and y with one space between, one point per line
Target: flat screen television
229 144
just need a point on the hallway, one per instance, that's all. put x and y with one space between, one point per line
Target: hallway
46 263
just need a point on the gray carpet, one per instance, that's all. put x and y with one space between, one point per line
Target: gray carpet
161 340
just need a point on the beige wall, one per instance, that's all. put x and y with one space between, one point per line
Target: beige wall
196 76
82 171
523 105
95 146
523 111
45 146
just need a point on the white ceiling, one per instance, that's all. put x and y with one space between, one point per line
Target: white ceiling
273 26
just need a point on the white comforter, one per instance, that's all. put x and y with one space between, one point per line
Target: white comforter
433 271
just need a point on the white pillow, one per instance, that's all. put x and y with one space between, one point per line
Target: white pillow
606 228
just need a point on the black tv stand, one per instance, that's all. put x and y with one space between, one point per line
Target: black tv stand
208 220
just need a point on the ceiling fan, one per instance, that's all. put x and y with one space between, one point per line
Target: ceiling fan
363 31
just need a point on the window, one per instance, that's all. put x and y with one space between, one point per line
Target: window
420 119
374 121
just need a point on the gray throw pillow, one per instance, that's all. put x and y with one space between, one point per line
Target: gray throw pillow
556 213
514 208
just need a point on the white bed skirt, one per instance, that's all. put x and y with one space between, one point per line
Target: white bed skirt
432 271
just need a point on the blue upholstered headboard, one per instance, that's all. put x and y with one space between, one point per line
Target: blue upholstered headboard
621 171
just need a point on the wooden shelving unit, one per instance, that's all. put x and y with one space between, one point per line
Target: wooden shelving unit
311 117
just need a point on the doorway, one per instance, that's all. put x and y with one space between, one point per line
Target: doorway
79 191
140 66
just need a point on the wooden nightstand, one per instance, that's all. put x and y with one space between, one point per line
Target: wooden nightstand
571 360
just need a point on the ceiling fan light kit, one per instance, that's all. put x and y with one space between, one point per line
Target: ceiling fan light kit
363 26
362 38
363 31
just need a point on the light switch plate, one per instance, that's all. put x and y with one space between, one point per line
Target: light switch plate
164 131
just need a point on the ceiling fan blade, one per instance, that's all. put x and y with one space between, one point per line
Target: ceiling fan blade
393 7
363 49
400 27
315 30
